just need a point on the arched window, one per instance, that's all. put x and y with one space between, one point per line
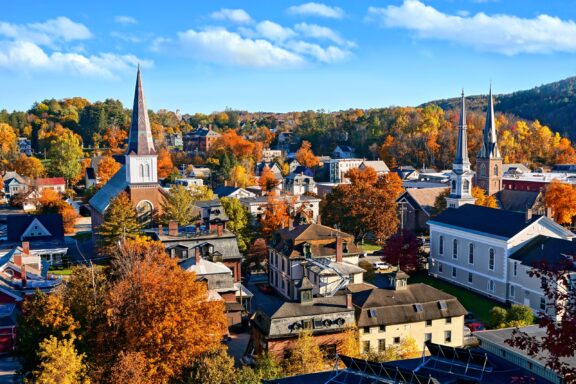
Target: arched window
455 249
482 169
453 185
441 245
495 169
144 210
466 186
141 170
471 254
148 170
491 259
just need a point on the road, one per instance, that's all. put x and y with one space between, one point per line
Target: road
8 368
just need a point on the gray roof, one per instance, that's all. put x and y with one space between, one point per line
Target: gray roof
140 141
226 245
519 201
101 199
319 306
378 165
545 249
423 198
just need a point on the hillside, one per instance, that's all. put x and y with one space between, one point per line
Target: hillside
552 104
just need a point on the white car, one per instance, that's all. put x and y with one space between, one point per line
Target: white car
380 265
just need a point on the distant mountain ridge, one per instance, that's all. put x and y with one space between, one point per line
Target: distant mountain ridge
552 104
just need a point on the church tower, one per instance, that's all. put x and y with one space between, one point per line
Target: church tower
489 162
461 177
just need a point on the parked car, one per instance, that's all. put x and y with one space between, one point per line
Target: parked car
476 326
467 332
380 265
265 288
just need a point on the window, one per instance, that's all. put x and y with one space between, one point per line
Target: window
142 170
441 245
282 283
439 267
448 320
366 329
428 323
512 291
471 254
491 259
366 346
453 272
307 324
381 345
495 169
482 169
382 328
397 340
455 249
372 313
427 337
466 187
418 307
515 269
542 303
442 305
147 170
447 336
491 285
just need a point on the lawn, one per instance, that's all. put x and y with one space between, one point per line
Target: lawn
370 247
480 305
60 272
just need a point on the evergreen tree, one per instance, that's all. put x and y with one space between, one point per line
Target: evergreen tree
121 221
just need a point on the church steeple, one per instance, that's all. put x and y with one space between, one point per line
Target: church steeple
140 141
461 177
489 141
489 162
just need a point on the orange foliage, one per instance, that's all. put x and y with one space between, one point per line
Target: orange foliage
51 202
276 214
115 137
562 199
267 180
69 217
305 156
107 167
165 164
28 166
231 142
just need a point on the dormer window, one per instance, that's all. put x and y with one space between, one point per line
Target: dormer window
418 307
345 246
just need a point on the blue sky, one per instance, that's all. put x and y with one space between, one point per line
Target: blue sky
277 55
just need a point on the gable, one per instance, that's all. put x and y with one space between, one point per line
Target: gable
35 229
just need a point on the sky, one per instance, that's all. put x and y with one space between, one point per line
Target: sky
280 55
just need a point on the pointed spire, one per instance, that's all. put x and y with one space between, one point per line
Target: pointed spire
489 139
462 143
140 141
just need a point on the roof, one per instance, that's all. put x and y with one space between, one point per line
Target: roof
398 306
13 175
18 224
140 141
224 191
50 181
544 248
518 167
225 245
423 198
319 306
344 148
109 191
519 201
377 165
491 221
205 267
342 268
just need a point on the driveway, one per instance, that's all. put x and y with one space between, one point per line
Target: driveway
8 367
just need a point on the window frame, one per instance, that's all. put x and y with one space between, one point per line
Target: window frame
455 249
491 259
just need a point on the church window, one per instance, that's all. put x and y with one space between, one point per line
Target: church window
482 169
471 254
441 245
141 170
466 186
455 249
453 185
491 259
495 169
148 170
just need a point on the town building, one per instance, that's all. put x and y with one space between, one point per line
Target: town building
339 167
378 165
175 140
201 139
14 184
269 155
416 207
535 181
343 152
309 205
521 201
473 246
233 192
324 257
299 184
25 146
385 317
489 162
57 184
139 175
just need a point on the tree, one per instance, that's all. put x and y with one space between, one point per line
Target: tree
440 202
215 367
520 315
562 199
69 217
120 221
65 154
51 201
482 199
240 177
305 356
276 215
28 166
8 145
239 221
60 363
498 317
408 349
305 156
107 167
201 193
350 344
403 249
267 180
130 368
179 205
165 164
161 311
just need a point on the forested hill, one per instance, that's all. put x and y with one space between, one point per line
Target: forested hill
552 104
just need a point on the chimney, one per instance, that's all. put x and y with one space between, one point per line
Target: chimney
220 229
197 255
173 228
23 276
160 230
528 214
319 220
549 213
339 248
26 248
348 301
18 259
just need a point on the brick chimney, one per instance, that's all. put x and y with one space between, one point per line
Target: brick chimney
348 301
528 214
23 276
197 255
549 213
173 228
26 248
319 220
18 259
220 229
339 248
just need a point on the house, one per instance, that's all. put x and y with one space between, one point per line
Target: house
416 207
90 177
293 165
24 273
378 165
273 166
201 139
321 255
521 201
138 177
269 155
189 182
233 192
25 146
57 184
472 247
14 184
308 204
535 181
385 317
343 152
299 184
514 169
285 140
407 172
339 167
175 140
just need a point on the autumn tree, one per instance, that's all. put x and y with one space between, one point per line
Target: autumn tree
201 192
231 142
215 367
276 214
130 368
561 198
28 166
515 316
440 202
239 221
482 199
161 311
305 356
165 164
385 152
240 177
403 249
267 181
305 156
8 145
107 167
120 221
350 344
179 205
51 201
65 153
59 363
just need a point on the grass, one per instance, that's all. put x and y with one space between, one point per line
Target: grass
473 302
370 247
61 272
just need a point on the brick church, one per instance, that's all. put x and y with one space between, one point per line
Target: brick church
139 175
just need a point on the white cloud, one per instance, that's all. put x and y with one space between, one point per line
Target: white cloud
125 20
27 56
323 33
239 16
330 54
273 31
317 9
48 33
228 48
499 33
